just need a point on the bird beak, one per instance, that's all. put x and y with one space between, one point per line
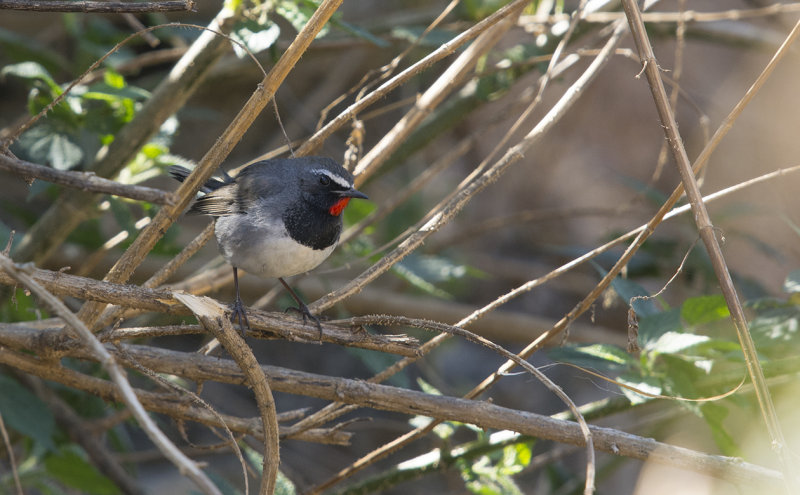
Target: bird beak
353 193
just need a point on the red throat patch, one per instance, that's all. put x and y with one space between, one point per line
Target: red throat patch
338 207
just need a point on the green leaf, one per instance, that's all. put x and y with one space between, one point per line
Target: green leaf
632 293
407 270
32 71
704 309
57 150
27 414
298 14
284 486
779 327
434 38
256 36
792 282
596 356
649 384
653 326
714 414
360 33
427 387
435 268
675 342
515 458
114 79
73 470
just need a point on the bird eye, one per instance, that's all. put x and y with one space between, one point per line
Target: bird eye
324 180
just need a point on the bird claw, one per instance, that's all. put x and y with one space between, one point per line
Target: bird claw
303 310
239 313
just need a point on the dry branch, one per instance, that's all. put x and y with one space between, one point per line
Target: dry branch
163 301
88 6
442 214
443 51
445 84
212 316
84 181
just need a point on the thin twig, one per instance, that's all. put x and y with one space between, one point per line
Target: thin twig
165 272
263 324
674 17
89 6
11 457
454 330
172 405
445 84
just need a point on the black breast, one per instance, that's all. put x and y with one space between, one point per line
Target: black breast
313 228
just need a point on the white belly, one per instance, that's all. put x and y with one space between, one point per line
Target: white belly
265 249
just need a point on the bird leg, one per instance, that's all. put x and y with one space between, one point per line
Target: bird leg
237 310
301 308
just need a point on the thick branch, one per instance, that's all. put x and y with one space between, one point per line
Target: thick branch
84 181
163 301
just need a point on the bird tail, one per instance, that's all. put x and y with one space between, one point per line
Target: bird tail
180 173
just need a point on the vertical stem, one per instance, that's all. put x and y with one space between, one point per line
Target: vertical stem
706 229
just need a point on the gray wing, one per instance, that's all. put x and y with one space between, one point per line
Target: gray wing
223 201
236 197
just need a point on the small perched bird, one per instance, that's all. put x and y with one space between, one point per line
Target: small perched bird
276 218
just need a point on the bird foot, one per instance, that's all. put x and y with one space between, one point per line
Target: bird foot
303 310
239 313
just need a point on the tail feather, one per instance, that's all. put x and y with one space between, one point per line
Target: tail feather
181 173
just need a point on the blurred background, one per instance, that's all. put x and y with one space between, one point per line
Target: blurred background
596 175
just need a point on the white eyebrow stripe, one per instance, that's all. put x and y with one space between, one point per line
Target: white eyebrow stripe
334 177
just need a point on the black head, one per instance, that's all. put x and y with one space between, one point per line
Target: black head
326 185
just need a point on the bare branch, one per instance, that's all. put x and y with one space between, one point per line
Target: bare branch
88 6
264 324
212 316
443 51
84 181
11 457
